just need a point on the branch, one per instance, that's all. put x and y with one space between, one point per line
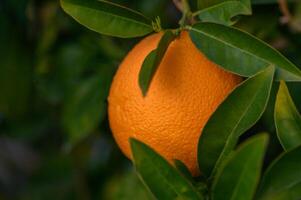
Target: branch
178 4
286 15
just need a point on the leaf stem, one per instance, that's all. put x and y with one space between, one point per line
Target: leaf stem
285 12
196 13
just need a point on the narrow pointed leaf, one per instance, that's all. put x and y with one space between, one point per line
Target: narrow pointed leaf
163 180
184 170
240 111
153 60
108 18
287 119
224 12
238 177
282 180
239 52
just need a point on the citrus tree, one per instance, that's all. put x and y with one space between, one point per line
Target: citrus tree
223 161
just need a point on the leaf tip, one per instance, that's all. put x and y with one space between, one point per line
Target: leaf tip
133 142
262 139
143 87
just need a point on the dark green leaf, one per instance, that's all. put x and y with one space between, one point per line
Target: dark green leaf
224 12
282 180
238 177
153 60
183 169
242 108
287 119
108 18
86 106
239 52
164 181
202 4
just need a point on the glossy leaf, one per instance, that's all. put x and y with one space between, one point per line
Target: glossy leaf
183 169
240 111
238 177
287 119
153 60
108 18
239 52
224 12
164 181
282 180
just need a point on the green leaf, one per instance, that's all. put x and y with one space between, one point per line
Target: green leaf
108 18
184 170
282 180
202 4
224 12
85 107
164 181
153 60
240 111
287 119
238 177
239 52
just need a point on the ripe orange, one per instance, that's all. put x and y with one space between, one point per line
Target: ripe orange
185 91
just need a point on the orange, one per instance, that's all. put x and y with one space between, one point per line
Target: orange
185 91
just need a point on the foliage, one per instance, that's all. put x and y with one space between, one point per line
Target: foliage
55 77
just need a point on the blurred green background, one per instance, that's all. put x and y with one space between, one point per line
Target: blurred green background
55 142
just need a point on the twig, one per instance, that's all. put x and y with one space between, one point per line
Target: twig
285 12
184 7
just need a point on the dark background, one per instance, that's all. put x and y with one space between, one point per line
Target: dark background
55 142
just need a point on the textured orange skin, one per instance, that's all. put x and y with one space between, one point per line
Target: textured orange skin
186 89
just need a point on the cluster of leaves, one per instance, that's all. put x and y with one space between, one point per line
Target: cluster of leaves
52 71
54 80
227 172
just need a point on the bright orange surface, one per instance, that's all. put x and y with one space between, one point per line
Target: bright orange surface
185 91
